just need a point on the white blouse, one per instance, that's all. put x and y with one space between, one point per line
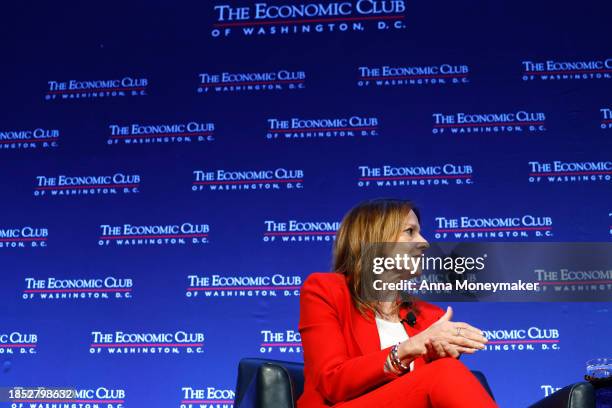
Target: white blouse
391 333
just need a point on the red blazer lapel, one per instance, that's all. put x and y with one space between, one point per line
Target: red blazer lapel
365 331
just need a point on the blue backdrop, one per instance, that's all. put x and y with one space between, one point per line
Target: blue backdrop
171 172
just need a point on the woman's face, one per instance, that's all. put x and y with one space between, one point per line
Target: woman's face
411 232
411 242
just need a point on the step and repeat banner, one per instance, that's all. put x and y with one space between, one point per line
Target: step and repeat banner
171 173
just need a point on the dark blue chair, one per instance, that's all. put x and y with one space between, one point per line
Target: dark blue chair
278 384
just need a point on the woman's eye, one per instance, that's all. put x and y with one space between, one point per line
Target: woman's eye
409 231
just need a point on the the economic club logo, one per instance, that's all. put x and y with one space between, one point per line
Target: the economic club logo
59 289
238 82
503 122
17 342
409 176
207 397
152 343
255 179
129 235
81 397
264 19
532 338
569 280
96 88
231 286
561 172
29 138
520 227
66 185
23 237
554 70
384 76
322 128
301 231
186 132
280 342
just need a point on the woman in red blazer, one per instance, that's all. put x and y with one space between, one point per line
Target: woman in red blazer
344 363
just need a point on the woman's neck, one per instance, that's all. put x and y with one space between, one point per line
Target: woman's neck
388 311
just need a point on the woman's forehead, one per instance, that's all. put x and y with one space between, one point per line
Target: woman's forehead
411 219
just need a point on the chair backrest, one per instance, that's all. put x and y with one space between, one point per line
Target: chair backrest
265 383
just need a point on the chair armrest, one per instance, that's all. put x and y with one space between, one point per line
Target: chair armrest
267 383
274 388
579 395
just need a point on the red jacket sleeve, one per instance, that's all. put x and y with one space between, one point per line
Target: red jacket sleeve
337 376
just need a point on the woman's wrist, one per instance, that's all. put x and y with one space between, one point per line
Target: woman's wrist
390 367
410 349
394 363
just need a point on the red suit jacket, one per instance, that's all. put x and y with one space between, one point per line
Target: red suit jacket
342 355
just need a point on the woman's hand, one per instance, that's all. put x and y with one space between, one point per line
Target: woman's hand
437 348
443 338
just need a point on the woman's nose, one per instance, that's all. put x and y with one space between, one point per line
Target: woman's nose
422 243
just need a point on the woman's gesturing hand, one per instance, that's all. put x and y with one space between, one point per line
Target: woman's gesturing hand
444 338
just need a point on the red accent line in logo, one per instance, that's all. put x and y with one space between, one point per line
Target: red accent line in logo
490 124
415 76
591 282
92 186
148 345
74 290
276 81
209 401
521 341
571 173
413 177
156 236
606 121
248 181
17 345
494 229
96 90
30 140
162 135
247 288
69 401
315 20
315 129
578 71
302 233
21 239
281 344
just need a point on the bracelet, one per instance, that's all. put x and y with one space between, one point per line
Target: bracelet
398 361
395 360
396 369
389 366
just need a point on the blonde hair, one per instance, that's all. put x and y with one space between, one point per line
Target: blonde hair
374 221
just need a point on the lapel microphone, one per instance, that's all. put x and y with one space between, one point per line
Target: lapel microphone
410 319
